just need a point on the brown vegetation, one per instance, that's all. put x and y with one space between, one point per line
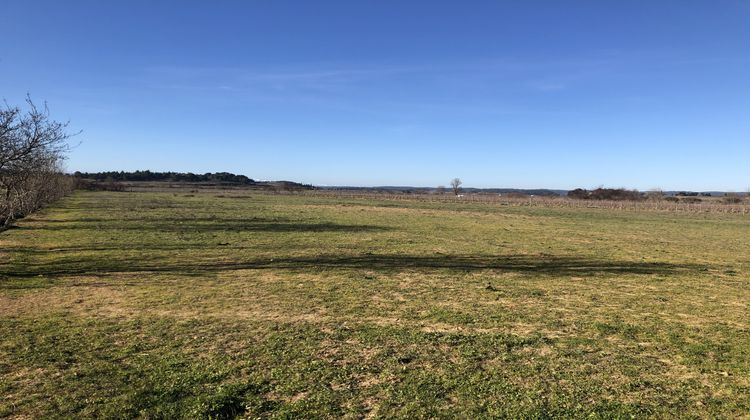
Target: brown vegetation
669 203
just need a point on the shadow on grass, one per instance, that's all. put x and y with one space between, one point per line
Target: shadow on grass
547 265
199 225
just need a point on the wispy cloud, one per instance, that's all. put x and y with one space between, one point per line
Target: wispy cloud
304 76
545 86
480 85
341 81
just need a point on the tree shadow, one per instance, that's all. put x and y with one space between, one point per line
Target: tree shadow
205 225
527 264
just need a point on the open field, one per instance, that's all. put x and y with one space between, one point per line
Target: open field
214 305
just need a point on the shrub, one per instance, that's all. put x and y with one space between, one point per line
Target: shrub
732 199
579 194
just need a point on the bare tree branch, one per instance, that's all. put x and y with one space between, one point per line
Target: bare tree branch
32 149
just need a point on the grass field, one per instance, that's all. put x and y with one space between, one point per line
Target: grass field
203 305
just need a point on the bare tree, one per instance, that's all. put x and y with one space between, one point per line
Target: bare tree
32 148
440 190
456 185
655 194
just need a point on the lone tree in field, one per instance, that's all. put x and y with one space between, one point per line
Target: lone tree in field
456 185
32 148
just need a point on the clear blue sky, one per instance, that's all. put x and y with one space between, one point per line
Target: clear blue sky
557 94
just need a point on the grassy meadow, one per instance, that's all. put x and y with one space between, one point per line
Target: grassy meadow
222 305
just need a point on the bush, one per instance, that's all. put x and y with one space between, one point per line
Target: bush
732 199
90 185
579 194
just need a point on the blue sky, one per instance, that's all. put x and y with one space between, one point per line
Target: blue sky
557 94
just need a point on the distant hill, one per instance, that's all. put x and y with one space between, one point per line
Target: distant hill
230 179
209 178
147 175
696 193
427 190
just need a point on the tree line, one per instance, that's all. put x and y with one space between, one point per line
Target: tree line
32 150
622 194
615 194
147 175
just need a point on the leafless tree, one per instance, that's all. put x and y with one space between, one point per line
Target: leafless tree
655 194
32 148
456 185
440 190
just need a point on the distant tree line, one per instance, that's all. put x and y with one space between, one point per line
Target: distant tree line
615 194
692 194
622 194
32 149
147 175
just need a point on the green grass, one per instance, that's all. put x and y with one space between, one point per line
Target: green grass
201 305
